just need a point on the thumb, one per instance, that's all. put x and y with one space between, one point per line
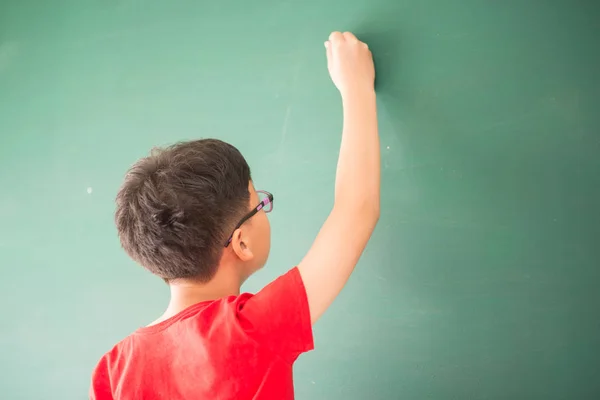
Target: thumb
328 50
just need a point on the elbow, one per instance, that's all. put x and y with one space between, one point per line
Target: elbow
371 209
367 210
369 215
375 212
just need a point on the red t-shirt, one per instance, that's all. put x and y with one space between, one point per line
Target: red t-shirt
239 347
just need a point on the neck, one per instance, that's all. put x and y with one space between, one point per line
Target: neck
187 292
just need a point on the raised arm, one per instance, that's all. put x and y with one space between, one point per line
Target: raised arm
342 239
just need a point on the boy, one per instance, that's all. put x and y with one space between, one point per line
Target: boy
191 215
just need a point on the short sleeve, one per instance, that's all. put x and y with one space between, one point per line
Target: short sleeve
100 387
278 316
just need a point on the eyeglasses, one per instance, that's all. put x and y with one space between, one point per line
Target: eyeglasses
266 204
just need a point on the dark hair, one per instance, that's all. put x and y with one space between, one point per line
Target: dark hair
176 207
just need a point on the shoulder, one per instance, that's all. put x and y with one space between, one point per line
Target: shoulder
278 316
110 357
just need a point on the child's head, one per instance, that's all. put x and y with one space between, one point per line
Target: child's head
179 212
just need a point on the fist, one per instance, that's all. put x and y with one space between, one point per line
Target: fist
350 63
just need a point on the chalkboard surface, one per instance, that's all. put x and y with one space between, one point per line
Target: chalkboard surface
481 281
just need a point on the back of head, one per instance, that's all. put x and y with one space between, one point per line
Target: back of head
176 207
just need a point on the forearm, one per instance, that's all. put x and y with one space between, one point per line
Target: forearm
357 185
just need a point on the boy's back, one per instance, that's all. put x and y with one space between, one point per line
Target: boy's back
239 347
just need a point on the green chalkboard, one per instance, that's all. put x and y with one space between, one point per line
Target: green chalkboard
481 281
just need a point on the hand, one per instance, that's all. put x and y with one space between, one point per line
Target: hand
350 63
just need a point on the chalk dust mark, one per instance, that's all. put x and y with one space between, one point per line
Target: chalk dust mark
284 128
288 110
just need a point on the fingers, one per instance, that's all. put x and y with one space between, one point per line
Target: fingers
346 37
349 36
336 37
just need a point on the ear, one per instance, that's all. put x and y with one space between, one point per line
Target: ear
240 244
